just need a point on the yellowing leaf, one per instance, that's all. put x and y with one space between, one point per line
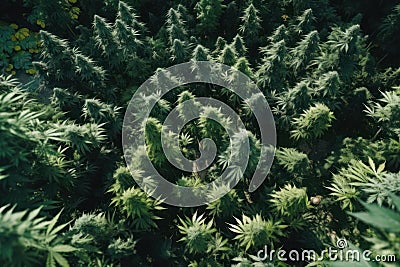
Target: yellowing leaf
371 163
381 168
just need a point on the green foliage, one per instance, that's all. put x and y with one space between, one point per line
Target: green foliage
256 231
238 44
197 234
386 220
250 26
106 41
244 66
305 50
57 54
382 218
390 24
291 202
272 72
175 26
20 124
27 239
208 14
178 51
127 37
128 16
305 22
49 14
313 122
17 48
227 206
387 113
359 181
292 160
331 78
220 44
228 56
200 53
136 205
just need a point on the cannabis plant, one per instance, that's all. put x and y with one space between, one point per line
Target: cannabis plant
256 232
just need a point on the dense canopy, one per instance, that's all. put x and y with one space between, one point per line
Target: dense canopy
330 71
